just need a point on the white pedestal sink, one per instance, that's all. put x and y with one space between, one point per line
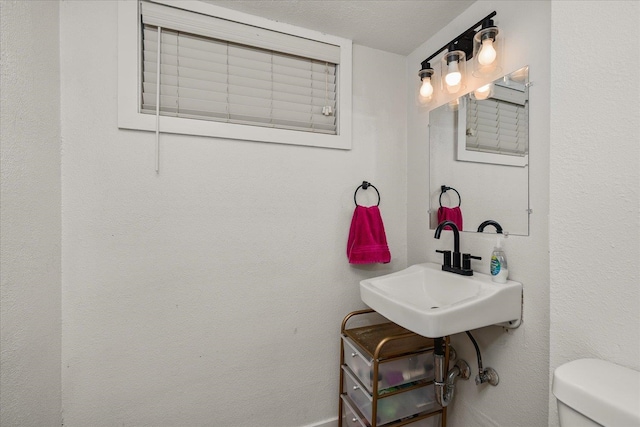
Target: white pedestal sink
434 303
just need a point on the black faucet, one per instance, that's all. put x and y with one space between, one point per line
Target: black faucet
456 266
490 222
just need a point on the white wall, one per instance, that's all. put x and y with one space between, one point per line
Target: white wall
520 356
212 293
595 181
30 211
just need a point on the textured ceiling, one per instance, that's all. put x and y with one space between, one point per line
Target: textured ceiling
397 26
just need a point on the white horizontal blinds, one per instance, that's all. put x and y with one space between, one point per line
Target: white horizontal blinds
221 29
212 79
497 126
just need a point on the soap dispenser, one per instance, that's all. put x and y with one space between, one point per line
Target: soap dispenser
499 267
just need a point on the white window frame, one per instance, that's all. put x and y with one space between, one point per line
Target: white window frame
129 81
465 155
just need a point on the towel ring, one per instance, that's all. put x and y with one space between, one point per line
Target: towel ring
444 189
364 186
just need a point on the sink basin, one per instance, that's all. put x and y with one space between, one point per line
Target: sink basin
434 303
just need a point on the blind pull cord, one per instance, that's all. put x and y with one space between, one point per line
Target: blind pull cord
158 103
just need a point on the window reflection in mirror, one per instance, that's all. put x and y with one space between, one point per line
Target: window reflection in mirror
482 151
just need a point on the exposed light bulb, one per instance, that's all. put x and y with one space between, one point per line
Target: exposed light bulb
426 90
453 76
482 92
487 53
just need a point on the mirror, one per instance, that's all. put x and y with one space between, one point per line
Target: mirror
479 157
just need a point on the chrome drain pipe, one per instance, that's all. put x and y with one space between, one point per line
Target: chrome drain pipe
445 380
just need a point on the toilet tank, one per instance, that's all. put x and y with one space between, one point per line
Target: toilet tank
601 391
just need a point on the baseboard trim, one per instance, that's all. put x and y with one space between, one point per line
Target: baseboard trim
331 422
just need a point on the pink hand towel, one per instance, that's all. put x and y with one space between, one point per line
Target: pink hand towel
367 243
452 214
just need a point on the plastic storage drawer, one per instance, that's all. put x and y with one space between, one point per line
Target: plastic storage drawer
351 419
390 374
390 408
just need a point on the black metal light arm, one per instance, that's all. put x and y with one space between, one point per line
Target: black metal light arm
466 37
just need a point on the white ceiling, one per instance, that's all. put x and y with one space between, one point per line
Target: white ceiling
397 26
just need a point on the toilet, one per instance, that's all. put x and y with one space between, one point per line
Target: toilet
593 392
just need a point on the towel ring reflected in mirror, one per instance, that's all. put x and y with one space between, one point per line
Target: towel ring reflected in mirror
444 189
364 186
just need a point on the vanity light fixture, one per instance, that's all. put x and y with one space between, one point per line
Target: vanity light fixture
483 44
426 88
486 45
453 69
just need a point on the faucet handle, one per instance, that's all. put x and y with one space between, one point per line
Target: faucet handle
447 257
466 260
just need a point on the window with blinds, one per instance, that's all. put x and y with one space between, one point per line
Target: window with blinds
209 79
205 70
497 126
